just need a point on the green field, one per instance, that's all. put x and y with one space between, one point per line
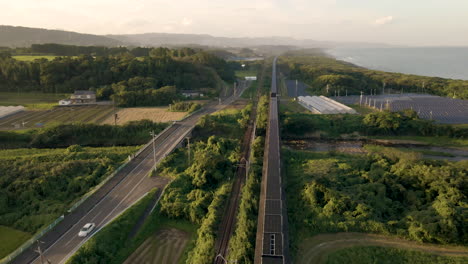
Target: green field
31 100
11 239
33 57
243 74
384 255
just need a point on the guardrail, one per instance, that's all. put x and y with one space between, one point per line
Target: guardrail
31 241
38 235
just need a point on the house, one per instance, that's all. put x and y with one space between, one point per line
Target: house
83 97
191 93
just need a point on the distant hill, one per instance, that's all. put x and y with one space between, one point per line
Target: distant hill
23 37
158 39
11 36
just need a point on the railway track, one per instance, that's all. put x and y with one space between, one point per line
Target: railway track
228 221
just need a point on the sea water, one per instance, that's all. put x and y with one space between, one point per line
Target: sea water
445 62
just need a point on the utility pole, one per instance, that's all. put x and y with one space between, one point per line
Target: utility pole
235 88
154 147
296 89
346 92
360 99
383 87
188 146
328 88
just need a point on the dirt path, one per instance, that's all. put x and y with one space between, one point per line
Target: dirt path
166 246
316 249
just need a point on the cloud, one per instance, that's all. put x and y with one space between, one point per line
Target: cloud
383 20
186 22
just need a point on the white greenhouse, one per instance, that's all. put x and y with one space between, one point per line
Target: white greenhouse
324 105
10 110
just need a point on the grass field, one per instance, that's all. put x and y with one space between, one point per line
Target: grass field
33 57
354 247
11 239
385 255
292 106
156 114
243 74
165 246
31 100
40 118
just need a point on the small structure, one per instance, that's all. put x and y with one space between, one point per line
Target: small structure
250 78
82 97
10 110
191 93
65 102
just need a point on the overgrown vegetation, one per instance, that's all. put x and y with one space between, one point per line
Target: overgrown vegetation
319 70
381 255
201 186
386 191
385 123
64 135
38 185
185 107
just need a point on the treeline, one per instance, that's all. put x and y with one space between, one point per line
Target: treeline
185 69
37 186
319 70
184 107
298 125
386 191
63 135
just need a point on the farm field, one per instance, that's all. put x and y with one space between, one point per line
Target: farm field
165 246
39 118
155 114
31 100
11 239
33 57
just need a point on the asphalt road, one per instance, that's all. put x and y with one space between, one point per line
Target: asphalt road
118 194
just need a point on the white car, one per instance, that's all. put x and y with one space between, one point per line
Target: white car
86 229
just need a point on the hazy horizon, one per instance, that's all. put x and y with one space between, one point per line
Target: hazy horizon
398 22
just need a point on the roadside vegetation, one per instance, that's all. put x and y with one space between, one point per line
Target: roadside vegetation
109 244
387 192
189 107
39 185
318 70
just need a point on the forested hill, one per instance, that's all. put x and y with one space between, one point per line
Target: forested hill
150 80
23 37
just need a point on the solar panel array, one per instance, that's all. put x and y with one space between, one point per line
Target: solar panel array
441 109
324 105
10 110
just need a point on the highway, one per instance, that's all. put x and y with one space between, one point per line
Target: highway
272 236
118 194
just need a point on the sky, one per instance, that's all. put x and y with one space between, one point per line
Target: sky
401 22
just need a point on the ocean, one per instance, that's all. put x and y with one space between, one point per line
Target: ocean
445 62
